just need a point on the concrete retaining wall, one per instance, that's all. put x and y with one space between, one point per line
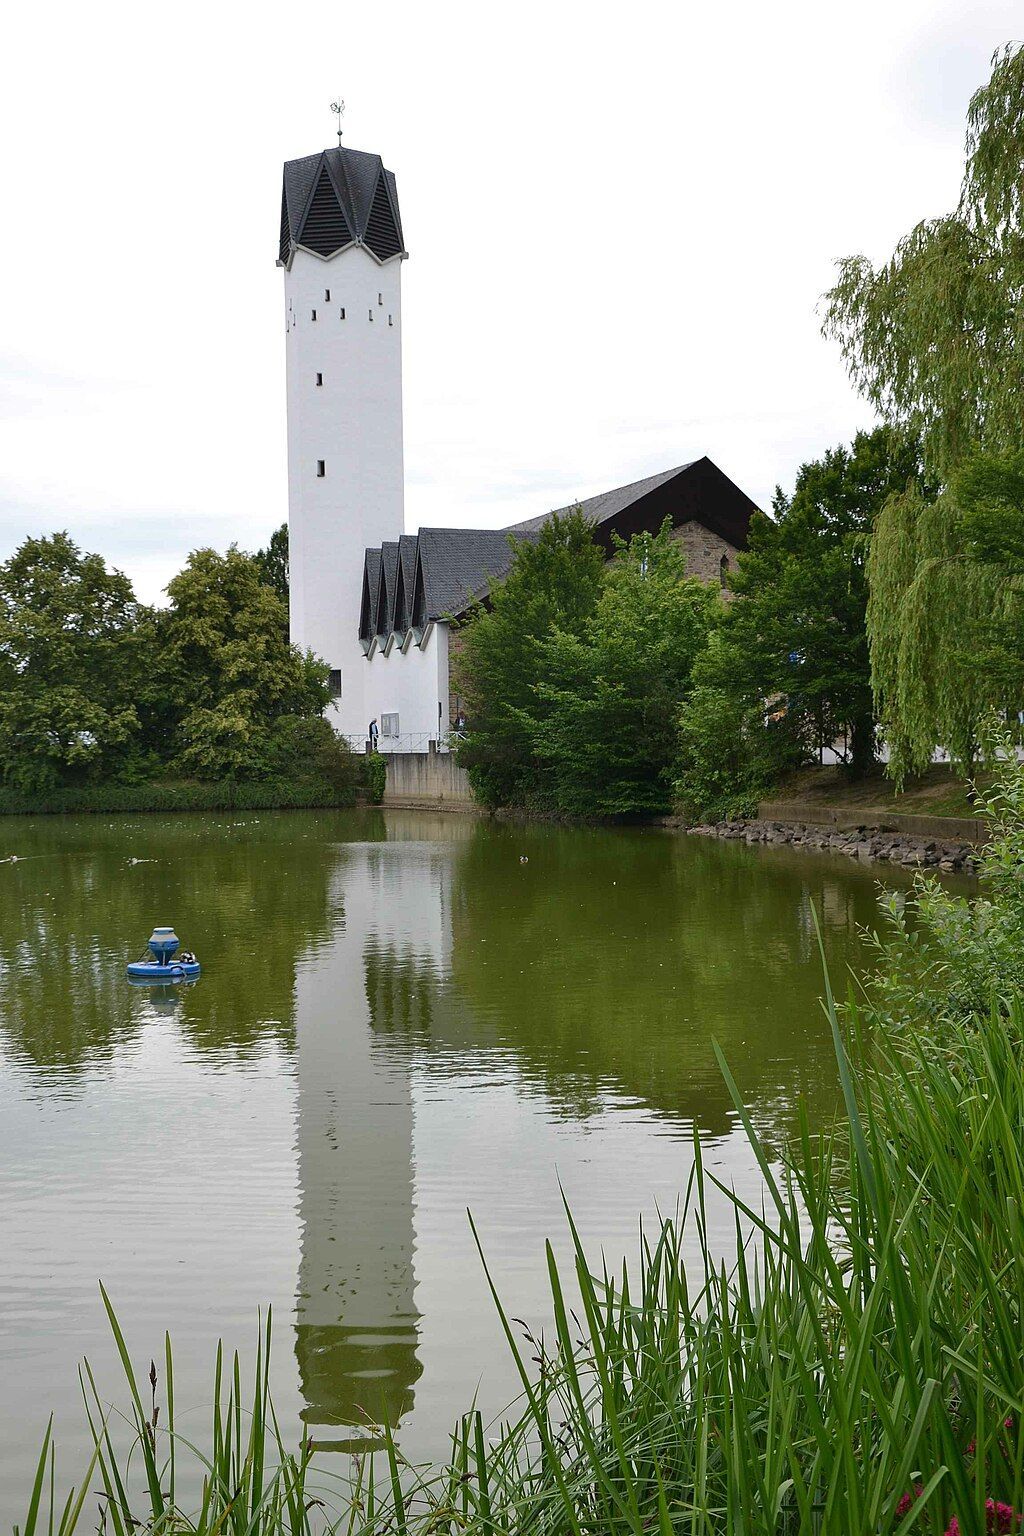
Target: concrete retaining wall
432 780
953 829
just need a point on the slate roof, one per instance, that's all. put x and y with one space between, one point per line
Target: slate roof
407 548
457 566
336 198
598 509
371 581
446 570
389 577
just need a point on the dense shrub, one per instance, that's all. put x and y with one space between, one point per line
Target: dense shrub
375 776
306 749
178 795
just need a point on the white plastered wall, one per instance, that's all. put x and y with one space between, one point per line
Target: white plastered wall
352 421
411 685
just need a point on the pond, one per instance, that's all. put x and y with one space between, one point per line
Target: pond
401 1017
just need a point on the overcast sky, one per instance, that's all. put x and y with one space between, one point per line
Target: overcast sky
620 220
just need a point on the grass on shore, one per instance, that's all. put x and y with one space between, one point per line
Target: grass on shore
179 795
855 1366
940 791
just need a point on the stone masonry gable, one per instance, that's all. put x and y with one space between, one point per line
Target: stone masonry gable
704 550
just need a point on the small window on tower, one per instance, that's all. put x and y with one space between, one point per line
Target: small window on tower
314 314
319 380
380 298
321 469
334 682
390 321
327 295
343 311
371 314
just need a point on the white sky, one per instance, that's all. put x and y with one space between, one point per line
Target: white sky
620 221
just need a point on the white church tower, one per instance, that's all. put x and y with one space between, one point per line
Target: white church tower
342 251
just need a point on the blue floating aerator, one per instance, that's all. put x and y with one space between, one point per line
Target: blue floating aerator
163 946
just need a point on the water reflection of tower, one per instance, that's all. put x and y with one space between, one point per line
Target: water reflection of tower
356 1329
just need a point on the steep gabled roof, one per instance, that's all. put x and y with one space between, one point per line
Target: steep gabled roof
697 492
338 197
598 509
405 583
388 578
371 581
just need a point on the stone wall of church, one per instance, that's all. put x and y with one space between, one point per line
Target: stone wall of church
456 704
704 551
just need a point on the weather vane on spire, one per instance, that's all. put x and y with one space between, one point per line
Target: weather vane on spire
338 108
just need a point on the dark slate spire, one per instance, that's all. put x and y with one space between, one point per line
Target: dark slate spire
337 198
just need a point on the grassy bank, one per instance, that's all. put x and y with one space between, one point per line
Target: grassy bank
182 795
941 791
854 1365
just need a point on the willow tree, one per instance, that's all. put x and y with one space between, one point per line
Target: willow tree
934 338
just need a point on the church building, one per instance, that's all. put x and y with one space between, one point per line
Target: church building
380 605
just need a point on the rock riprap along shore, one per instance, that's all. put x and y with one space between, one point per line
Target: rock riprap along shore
867 843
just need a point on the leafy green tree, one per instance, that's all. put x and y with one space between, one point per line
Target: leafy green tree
73 654
306 749
229 667
554 583
932 336
933 339
789 672
945 613
606 738
802 624
273 563
734 744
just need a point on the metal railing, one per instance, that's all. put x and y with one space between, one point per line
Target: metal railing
407 741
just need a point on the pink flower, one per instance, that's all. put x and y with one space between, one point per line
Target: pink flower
908 1499
999 1519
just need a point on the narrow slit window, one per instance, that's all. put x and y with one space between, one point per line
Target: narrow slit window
343 311
327 295
380 298
314 314
321 469
319 380
371 314
390 320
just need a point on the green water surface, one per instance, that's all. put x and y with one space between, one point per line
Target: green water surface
401 1016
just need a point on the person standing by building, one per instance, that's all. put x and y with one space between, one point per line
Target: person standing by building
373 735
